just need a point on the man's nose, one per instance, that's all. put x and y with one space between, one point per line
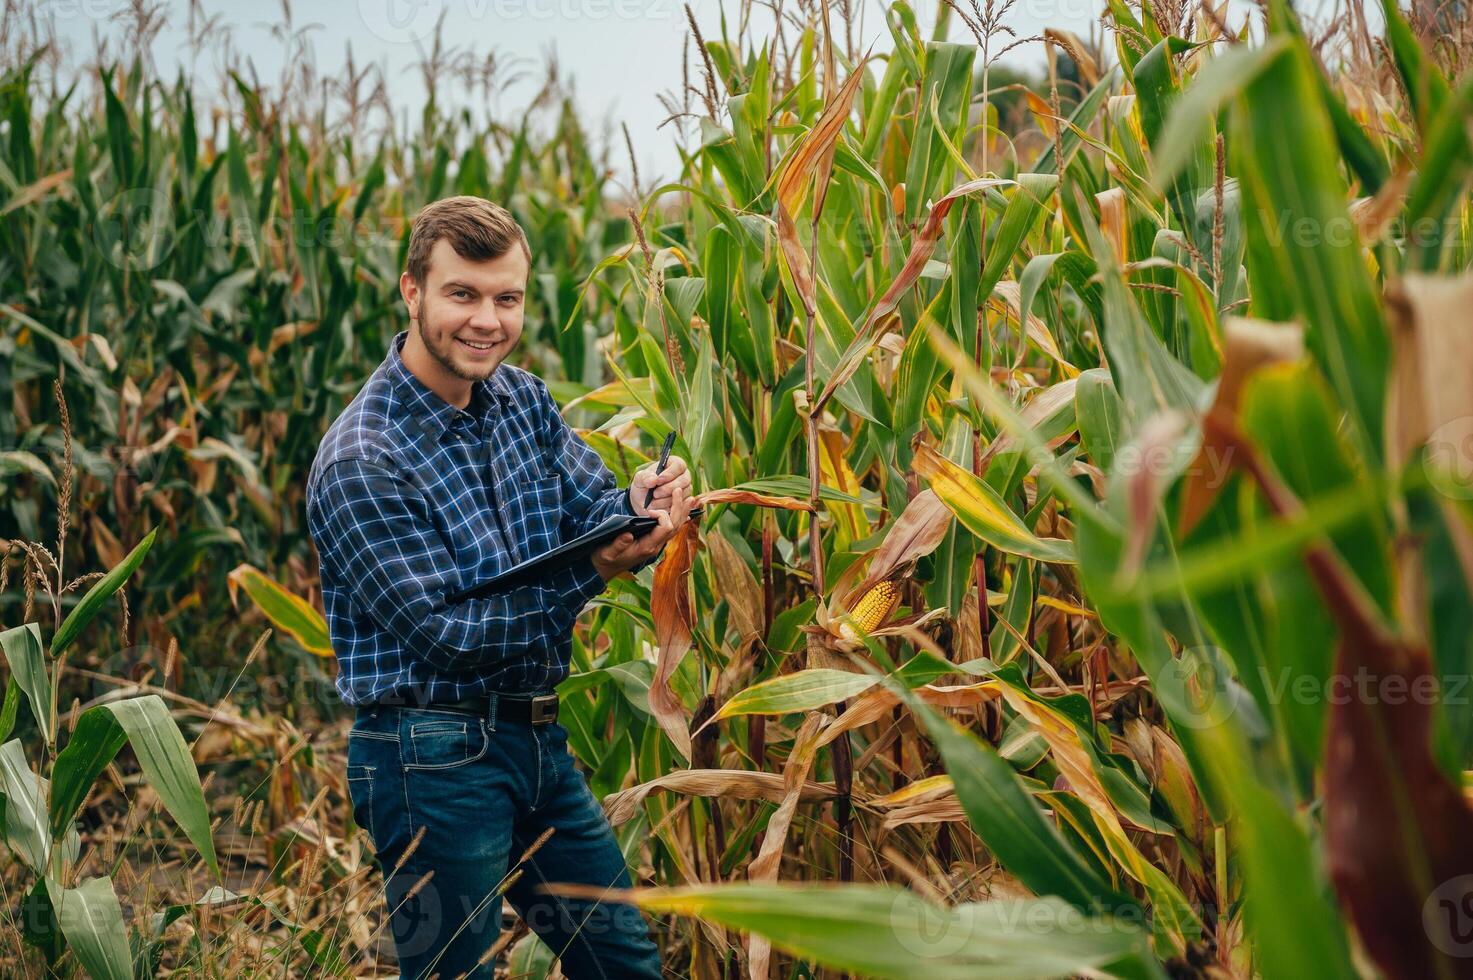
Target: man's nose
486 316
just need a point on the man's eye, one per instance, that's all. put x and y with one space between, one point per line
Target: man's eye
460 292
510 299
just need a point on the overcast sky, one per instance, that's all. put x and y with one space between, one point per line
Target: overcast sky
619 54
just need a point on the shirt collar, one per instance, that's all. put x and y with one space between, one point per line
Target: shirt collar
435 412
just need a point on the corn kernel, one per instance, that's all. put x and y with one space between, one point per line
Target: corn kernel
873 608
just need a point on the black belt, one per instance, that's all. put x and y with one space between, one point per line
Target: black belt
538 709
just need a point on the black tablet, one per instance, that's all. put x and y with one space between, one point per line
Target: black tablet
565 554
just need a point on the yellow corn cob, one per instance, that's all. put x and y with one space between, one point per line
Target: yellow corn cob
873 608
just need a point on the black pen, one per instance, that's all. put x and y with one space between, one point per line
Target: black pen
664 459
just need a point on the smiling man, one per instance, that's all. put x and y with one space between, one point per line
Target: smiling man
448 467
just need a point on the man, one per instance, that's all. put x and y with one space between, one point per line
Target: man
448 467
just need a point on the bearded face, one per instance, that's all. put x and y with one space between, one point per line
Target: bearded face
467 314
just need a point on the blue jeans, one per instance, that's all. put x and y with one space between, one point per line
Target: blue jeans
481 791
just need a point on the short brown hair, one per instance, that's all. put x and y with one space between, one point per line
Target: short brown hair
476 228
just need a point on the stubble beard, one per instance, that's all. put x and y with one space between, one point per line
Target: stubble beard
444 355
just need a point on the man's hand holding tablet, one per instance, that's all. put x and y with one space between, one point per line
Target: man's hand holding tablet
670 504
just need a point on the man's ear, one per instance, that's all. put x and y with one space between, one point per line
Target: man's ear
409 289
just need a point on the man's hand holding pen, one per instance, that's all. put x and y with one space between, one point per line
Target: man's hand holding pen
662 492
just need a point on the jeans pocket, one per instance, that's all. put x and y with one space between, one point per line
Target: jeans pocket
360 794
445 743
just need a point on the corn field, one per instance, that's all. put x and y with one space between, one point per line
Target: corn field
1085 581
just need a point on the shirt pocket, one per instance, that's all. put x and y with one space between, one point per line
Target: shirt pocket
541 501
522 469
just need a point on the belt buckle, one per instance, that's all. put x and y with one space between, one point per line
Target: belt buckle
544 709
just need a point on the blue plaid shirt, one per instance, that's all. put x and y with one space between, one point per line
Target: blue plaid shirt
411 499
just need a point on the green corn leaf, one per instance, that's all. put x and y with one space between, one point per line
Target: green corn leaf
1148 378
1099 411
119 132
1007 819
1158 88
1257 547
92 922
1441 181
168 766
1029 202
886 931
240 197
1425 85
288 612
984 513
530 957
1079 121
25 818
22 792
93 744
1006 640
947 80
22 646
38 925
1292 419
9 708
1303 246
964 255
1288 907
801 690
1190 119
101 591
